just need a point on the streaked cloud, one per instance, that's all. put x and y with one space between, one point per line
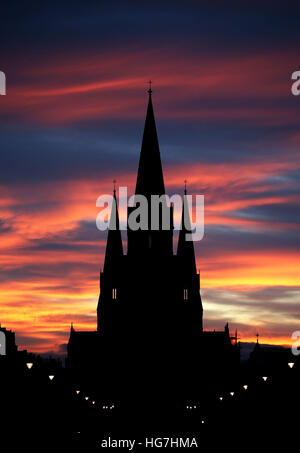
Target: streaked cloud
72 121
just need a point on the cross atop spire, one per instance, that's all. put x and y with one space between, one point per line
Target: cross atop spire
150 180
257 335
114 182
150 90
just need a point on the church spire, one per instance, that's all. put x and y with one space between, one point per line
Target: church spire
185 249
150 180
114 247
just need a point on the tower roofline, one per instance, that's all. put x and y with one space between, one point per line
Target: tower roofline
114 245
150 180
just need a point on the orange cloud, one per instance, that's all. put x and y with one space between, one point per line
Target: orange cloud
48 288
83 88
44 289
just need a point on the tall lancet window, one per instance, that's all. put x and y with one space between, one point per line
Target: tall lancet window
114 293
185 294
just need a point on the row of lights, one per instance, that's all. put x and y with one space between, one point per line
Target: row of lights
245 387
30 365
265 378
94 402
51 377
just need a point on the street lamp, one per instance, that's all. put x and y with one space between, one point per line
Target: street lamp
291 364
51 377
245 387
77 391
265 378
29 365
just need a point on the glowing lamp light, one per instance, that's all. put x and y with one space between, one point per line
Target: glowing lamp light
245 387
265 378
291 364
86 398
221 398
29 365
93 402
231 393
51 377
77 391
195 407
202 421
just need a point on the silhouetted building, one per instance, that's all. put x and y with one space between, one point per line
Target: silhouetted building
150 345
9 347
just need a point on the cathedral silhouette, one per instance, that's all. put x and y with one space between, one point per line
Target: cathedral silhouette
150 349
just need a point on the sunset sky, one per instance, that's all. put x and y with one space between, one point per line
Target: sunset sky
72 121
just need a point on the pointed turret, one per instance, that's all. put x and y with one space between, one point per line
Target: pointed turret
150 180
114 247
257 357
72 331
185 249
226 329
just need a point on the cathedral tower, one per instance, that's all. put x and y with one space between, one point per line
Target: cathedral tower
149 348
